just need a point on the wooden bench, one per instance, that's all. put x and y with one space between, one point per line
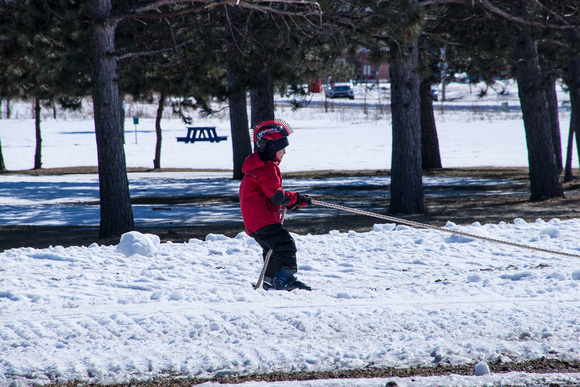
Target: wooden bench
206 133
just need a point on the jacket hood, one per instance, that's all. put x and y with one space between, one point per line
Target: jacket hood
253 161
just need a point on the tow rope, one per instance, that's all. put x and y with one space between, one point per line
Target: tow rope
423 225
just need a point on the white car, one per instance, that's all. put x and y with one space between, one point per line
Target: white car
340 89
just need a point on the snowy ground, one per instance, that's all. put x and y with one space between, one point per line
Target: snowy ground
392 297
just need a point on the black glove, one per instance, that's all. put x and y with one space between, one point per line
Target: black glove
305 199
300 200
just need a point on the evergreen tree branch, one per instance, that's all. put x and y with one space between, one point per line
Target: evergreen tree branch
155 52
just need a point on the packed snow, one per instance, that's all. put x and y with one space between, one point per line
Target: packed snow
391 297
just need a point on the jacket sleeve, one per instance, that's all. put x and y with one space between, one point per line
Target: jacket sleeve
271 185
280 198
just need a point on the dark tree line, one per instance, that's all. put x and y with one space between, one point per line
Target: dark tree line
192 51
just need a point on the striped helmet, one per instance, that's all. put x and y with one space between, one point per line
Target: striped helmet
271 136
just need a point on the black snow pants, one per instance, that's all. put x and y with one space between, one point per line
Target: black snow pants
277 238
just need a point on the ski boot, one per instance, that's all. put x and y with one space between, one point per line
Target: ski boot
268 283
285 280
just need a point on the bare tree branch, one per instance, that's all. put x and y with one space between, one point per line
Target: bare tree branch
429 3
154 9
490 7
495 10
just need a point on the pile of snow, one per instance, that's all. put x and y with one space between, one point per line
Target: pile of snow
392 297
481 368
134 242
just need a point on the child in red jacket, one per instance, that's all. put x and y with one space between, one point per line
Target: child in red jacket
262 198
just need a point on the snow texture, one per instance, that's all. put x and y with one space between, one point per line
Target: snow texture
391 297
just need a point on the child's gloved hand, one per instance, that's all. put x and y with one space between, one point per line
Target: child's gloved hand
301 201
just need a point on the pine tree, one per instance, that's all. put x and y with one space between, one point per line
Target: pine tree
185 75
544 180
406 171
573 82
36 46
430 74
491 38
264 49
115 200
392 30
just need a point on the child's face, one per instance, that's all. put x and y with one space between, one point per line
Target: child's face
280 154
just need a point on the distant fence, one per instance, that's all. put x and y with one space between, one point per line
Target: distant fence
504 106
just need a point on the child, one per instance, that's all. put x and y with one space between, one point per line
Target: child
262 198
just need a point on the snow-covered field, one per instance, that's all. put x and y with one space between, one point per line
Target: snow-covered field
344 138
392 297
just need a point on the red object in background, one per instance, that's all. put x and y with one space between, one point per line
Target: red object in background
315 86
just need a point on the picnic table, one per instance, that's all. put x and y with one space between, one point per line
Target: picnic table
204 133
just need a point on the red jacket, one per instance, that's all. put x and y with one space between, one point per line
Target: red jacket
261 193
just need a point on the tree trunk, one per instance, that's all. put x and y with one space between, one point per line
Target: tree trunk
544 176
2 164
549 79
262 99
573 38
160 106
569 151
430 155
38 135
407 195
115 200
241 144
122 115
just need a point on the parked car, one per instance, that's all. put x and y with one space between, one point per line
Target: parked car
435 94
297 90
340 90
